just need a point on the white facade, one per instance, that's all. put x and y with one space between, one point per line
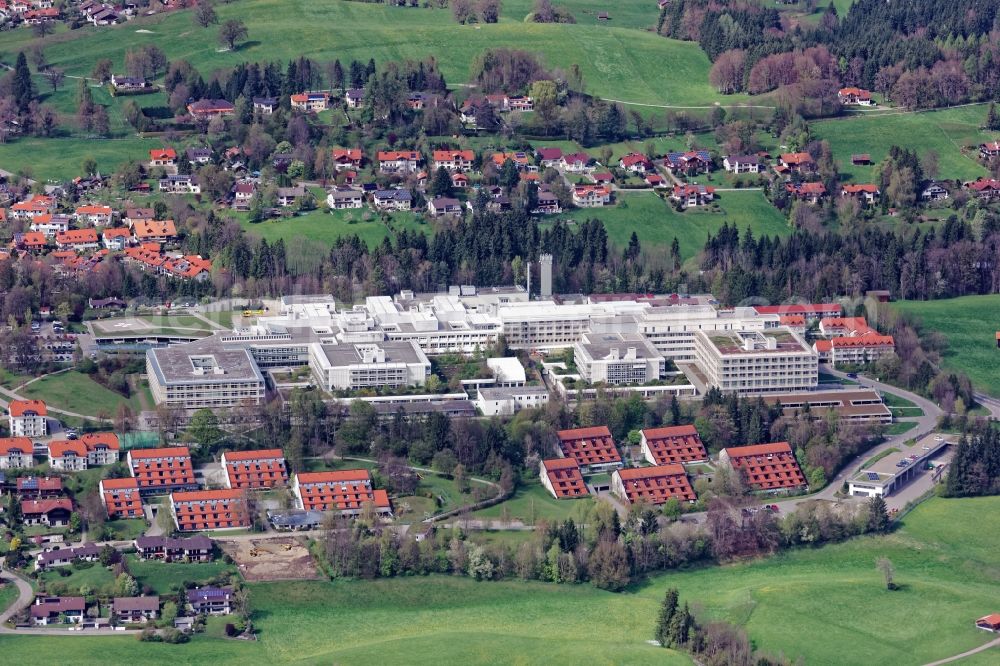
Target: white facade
29 424
368 365
752 362
507 401
617 359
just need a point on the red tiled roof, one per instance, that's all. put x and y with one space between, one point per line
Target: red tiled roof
656 485
259 454
46 505
634 158
869 188
117 232
206 495
395 155
162 452
20 407
335 477
823 345
143 229
860 93
870 339
95 439
796 158
94 209
59 448
675 444
767 466
805 310
162 154
40 483
565 478
792 320
76 236
453 155
128 483
589 446
340 490
351 154
20 444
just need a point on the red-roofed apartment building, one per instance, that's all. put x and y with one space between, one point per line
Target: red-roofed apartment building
209 510
765 466
345 491
593 449
93 449
15 452
853 341
121 498
562 478
652 485
255 469
162 469
677 444
28 418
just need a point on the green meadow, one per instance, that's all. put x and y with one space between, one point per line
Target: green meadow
946 132
969 324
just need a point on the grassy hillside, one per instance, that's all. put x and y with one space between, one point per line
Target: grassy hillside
946 132
827 605
616 62
969 324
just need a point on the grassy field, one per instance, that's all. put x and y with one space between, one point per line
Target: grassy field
656 224
162 577
826 605
616 62
969 324
946 132
532 503
900 428
321 228
60 158
76 392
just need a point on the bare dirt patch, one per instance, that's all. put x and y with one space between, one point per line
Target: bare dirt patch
272 559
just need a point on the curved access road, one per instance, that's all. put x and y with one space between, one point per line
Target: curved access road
968 653
24 598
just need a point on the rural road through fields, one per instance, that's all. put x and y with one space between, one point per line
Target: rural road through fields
968 653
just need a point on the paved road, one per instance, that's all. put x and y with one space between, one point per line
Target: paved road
990 403
968 653
24 598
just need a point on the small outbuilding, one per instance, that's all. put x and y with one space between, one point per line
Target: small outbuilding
989 623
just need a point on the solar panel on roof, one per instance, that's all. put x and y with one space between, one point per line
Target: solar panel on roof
873 476
30 483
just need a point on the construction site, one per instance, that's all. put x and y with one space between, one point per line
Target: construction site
286 558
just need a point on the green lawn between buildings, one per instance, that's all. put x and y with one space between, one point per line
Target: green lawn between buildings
946 132
76 392
532 503
827 605
969 324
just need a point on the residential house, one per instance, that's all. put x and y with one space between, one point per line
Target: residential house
346 491
547 203
354 98
50 225
54 512
89 552
453 160
520 160
28 418
40 15
106 15
154 231
603 177
393 199
210 600
416 101
179 184
188 267
655 180
78 240
339 198
673 444
866 193
795 163
575 162
636 163
243 192
52 610
102 448
593 449
128 84
855 97
198 156
133 610
811 192
652 485
311 102
265 106
132 215
95 215
933 191
27 211
690 163
459 180
742 164
591 196
398 161
562 478
39 487
765 466
162 157
439 206
209 510
693 195
520 103
121 498
255 469
30 241
288 196
989 150
209 108
549 157
67 456
197 548
162 469
347 158
984 188
16 453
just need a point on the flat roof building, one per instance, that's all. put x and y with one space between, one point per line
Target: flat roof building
193 377
562 478
617 358
593 449
652 485
670 445
506 401
751 362
349 367
891 473
765 466
854 406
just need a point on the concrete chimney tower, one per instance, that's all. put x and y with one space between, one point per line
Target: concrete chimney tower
545 267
